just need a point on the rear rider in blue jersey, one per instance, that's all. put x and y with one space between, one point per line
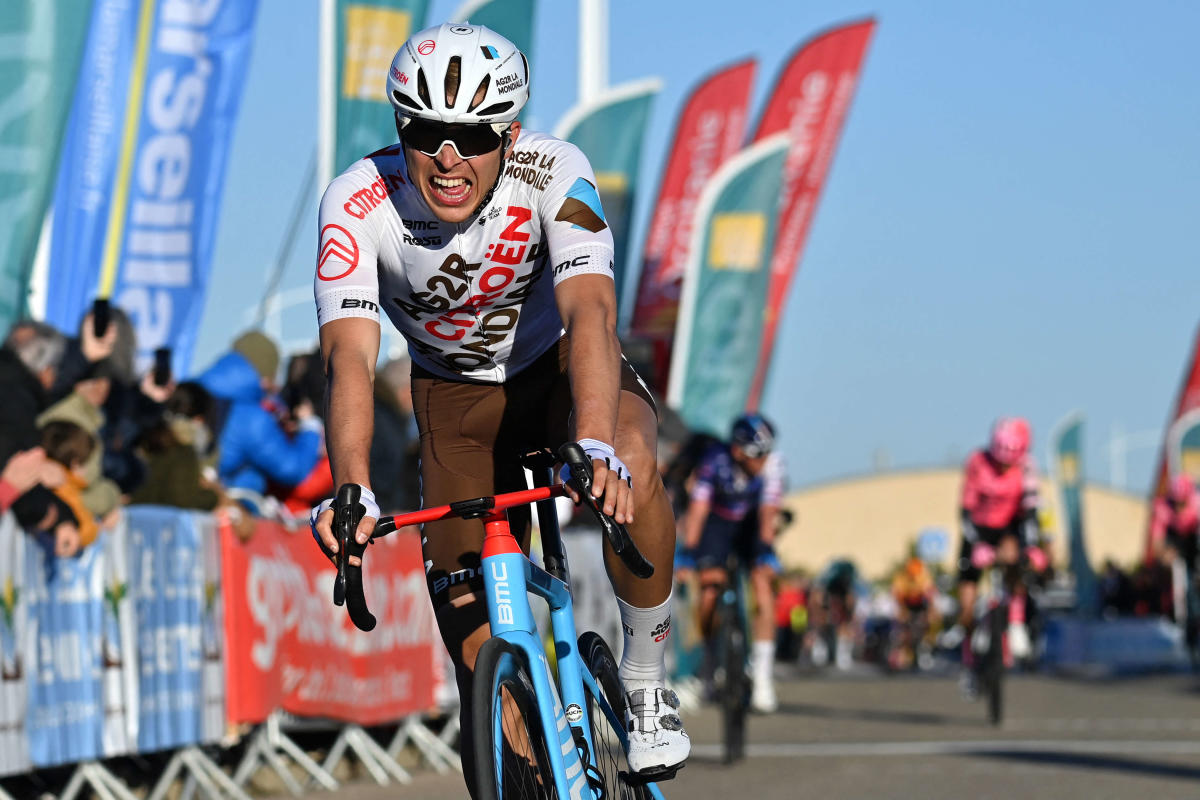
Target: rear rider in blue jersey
733 506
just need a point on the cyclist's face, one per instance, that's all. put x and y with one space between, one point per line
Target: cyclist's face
453 186
752 466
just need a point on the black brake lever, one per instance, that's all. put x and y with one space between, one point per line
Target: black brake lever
579 467
348 585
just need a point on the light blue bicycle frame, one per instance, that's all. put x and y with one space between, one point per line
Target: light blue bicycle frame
509 577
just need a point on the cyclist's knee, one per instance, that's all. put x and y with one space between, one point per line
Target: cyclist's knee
463 623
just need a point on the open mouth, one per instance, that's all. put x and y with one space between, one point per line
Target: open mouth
449 191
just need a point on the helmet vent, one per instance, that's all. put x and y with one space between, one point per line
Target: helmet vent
405 100
453 77
480 93
495 108
423 89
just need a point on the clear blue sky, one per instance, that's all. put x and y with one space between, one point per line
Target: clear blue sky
1004 230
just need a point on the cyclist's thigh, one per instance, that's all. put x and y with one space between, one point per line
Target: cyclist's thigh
967 571
716 542
471 437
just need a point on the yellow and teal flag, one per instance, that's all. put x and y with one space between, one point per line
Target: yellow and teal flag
42 44
722 310
1067 469
609 130
367 34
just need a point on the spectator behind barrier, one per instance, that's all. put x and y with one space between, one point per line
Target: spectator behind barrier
251 444
395 445
28 366
130 405
304 395
86 350
175 449
24 470
83 408
71 446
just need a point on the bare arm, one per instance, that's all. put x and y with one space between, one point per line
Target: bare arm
768 517
349 348
693 523
588 307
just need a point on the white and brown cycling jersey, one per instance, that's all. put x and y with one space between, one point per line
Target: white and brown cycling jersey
475 300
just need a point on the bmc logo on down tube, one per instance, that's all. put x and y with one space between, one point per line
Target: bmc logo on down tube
338 244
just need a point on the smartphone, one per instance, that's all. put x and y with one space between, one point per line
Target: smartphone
99 316
162 366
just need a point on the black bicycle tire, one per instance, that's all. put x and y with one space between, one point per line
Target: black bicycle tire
598 658
485 693
994 664
733 691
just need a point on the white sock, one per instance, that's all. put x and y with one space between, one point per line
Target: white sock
646 634
763 656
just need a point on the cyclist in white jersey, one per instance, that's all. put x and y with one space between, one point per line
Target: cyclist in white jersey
486 246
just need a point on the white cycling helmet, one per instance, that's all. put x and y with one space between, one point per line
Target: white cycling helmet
458 73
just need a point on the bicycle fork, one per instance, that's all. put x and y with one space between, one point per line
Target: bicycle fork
508 577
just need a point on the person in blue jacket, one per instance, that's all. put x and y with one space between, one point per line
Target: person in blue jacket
252 447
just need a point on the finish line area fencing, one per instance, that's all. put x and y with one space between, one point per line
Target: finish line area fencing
171 641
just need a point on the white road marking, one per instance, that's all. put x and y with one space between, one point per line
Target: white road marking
946 748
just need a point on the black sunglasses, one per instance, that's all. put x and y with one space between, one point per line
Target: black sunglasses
468 141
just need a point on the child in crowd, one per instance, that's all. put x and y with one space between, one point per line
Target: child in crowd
70 445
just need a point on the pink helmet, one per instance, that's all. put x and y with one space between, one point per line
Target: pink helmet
1180 489
1010 440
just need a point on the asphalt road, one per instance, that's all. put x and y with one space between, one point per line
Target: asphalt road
863 735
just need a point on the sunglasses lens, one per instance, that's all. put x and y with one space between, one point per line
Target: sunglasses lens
471 140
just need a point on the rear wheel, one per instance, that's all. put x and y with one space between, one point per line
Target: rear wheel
730 681
511 758
606 713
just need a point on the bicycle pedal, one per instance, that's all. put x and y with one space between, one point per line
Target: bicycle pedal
652 775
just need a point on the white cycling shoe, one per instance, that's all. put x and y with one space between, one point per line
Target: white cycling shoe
763 699
1019 643
658 744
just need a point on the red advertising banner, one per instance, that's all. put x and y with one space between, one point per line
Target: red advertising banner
1188 399
810 100
709 131
289 647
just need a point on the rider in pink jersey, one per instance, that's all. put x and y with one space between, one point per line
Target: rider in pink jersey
1175 534
1175 520
998 509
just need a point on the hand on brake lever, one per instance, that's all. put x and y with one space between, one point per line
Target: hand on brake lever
612 482
320 520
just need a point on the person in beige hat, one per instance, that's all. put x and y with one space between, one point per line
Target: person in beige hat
257 348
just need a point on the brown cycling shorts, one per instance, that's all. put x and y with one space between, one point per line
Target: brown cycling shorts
471 437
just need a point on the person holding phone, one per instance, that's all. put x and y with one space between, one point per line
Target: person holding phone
252 444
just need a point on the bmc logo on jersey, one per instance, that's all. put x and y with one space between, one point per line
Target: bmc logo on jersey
339 253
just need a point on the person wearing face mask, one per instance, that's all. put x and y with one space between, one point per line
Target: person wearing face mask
486 245
175 449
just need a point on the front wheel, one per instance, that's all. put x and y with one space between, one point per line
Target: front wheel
511 757
606 713
993 663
